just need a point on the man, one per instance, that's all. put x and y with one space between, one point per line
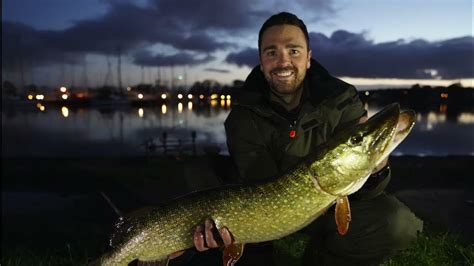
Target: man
289 106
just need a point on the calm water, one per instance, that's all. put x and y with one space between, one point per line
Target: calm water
52 131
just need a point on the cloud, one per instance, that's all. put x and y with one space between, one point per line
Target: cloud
230 15
353 54
125 26
202 42
247 57
146 58
210 14
22 41
199 26
217 70
198 31
132 27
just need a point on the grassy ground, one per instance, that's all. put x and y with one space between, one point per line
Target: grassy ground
431 248
435 249
76 233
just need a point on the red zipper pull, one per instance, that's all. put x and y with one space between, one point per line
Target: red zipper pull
292 134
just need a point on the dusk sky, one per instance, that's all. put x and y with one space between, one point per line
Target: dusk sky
385 42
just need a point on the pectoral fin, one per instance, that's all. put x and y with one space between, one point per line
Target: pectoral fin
343 215
232 253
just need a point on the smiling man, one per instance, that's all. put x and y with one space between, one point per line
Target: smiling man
285 57
288 107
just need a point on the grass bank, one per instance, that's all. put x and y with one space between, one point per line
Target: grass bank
431 248
53 214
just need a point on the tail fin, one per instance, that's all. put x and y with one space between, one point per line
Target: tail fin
109 201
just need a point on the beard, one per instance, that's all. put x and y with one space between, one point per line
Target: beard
285 87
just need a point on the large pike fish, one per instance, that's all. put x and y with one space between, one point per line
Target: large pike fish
269 210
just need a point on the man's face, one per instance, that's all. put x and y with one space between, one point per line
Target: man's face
284 58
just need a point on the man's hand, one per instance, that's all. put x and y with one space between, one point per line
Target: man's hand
204 238
380 166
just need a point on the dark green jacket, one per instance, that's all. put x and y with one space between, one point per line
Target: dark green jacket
258 136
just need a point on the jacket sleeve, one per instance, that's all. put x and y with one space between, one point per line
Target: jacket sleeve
253 159
352 110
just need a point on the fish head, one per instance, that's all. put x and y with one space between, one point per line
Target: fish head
347 160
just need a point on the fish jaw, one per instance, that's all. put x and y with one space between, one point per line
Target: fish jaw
406 121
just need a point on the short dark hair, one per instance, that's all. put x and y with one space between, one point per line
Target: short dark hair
283 18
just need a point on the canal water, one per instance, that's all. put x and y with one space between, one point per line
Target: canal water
40 130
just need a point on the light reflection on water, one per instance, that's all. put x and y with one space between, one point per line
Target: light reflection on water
45 131
466 118
65 111
438 133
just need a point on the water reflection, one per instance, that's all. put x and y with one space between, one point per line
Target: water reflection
466 118
443 108
64 111
442 130
434 119
41 107
419 117
121 130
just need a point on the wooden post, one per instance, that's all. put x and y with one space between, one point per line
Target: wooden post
193 139
163 140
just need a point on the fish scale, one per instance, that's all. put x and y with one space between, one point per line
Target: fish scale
253 214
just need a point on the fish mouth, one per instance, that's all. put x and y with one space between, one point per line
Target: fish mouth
405 123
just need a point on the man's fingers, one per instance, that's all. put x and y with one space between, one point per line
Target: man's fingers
211 242
225 235
205 237
199 239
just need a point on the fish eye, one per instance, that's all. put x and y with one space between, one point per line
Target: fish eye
355 140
